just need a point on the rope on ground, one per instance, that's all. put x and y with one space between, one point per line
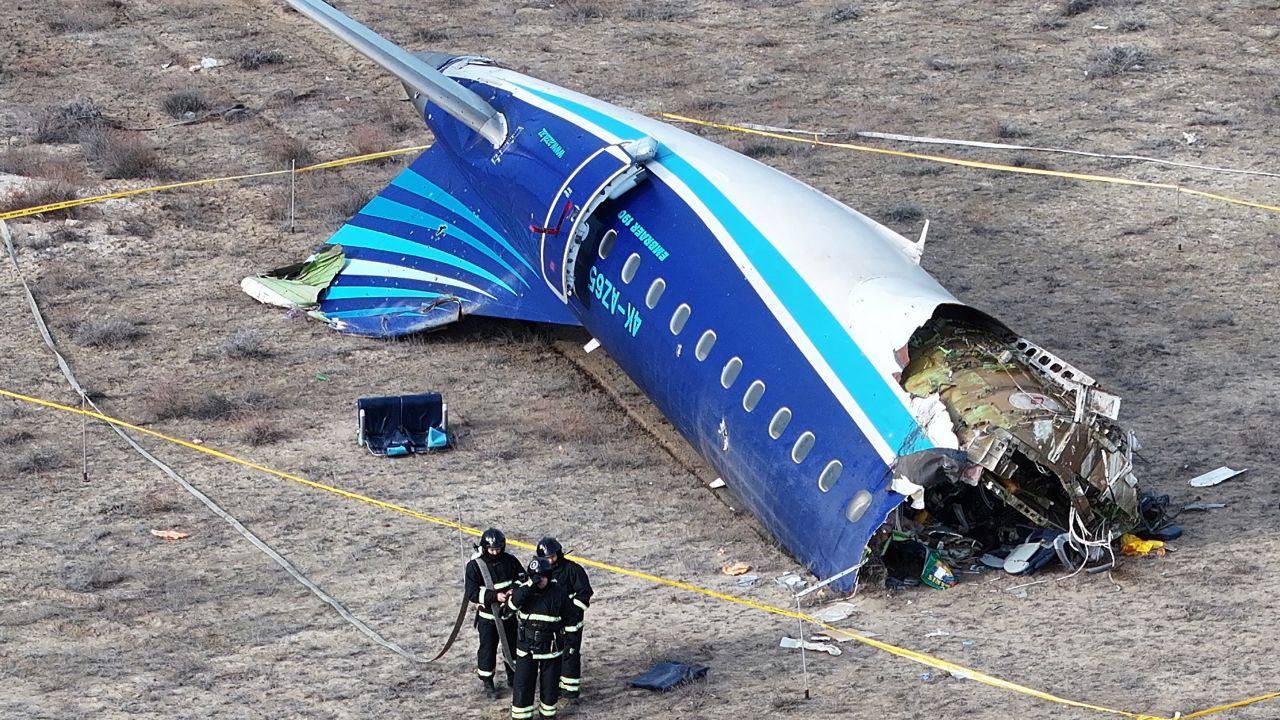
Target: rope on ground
955 669
1003 146
195 492
1086 177
77 202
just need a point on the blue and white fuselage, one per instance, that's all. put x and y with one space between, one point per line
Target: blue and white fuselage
795 343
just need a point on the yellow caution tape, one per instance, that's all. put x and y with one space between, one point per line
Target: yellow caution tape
66 204
955 669
974 163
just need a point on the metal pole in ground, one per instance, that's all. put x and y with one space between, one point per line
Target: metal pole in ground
804 665
293 174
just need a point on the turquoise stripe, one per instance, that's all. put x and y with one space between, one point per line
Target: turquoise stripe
415 183
388 209
349 292
373 240
373 312
855 371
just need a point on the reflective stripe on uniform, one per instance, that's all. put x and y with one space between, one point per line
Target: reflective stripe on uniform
503 584
546 710
579 603
484 673
539 618
573 628
485 615
570 684
521 713
546 656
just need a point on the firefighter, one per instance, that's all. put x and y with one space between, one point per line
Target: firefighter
504 571
573 579
539 603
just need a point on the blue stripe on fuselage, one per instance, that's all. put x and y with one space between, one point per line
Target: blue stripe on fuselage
863 382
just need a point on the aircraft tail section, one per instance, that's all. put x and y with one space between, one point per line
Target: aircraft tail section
421 254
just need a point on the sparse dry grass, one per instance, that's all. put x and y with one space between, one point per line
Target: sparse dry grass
841 13
122 155
369 138
579 13
186 103
903 213
245 344
36 460
286 151
429 35
1117 60
68 122
107 333
1008 129
258 431
40 194
257 58
656 11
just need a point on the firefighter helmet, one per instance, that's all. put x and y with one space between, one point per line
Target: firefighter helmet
493 539
549 546
540 566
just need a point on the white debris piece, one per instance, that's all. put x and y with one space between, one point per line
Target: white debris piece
1213 477
789 642
716 484
835 613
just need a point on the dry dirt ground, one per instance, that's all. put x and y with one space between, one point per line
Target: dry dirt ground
1167 298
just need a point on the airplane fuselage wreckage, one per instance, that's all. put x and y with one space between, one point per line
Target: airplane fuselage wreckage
795 343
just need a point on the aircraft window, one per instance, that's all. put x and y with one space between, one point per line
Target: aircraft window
801 449
729 375
705 343
754 392
658 287
630 267
858 506
607 242
830 474
679 318
779 423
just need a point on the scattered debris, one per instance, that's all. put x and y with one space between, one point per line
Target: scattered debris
208 63
747 580
591 345
835 613
735 568
716 484
792 643
937 574
842 638
1213 477
667 675
937 633
170 534
790 581
1203 506
1135 546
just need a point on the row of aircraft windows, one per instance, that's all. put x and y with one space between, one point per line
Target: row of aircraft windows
729 375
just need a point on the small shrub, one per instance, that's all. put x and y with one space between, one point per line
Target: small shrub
213 406
25 161
258 431
245 344
67 122
91 579
107 333
40 194
1008 129
182 103
844 12
346 203
288 150
366 139
903 212
578 12
1048 21
766 149
657 11
256 58
1071 8
14 437
61 277
430 35
1130 24
121 155
1116 60
937 62
77 22
35 460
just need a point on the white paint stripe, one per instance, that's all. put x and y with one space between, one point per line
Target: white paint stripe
380 269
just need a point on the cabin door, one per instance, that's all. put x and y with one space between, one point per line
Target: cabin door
607 174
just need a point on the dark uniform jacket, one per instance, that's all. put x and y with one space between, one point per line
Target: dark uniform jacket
504 569
541 615
573 579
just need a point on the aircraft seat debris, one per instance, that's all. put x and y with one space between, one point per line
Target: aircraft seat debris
403 424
